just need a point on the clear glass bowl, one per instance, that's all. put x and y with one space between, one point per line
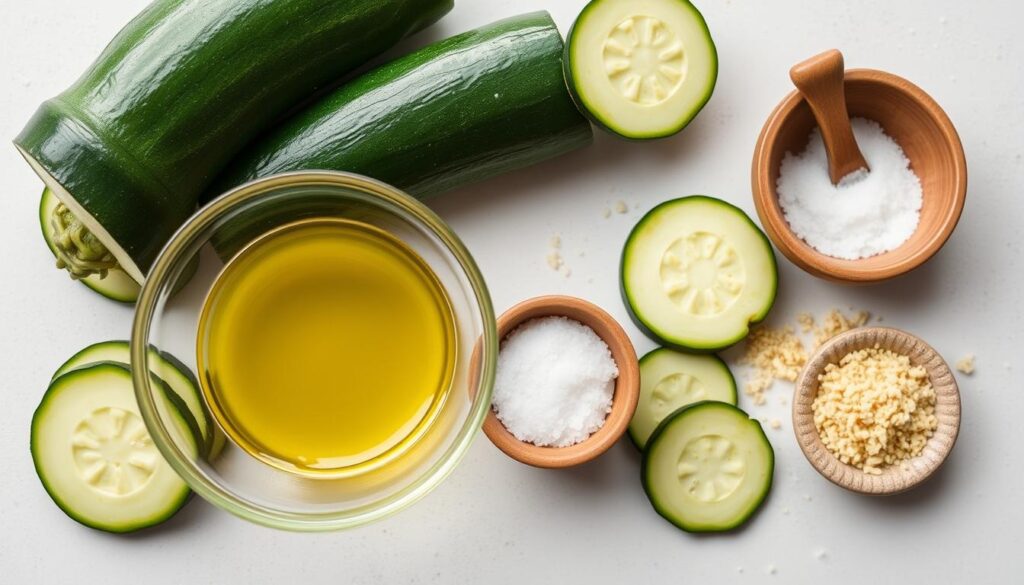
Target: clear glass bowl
167 318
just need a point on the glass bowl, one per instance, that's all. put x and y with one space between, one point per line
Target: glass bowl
167 319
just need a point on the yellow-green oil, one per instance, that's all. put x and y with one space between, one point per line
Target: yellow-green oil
326 347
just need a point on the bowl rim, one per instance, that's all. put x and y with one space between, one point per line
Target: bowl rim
893 480
627 384
214 492
836 269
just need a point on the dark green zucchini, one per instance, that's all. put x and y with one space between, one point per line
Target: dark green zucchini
461 110
133 143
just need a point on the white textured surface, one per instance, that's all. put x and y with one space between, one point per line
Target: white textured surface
495 520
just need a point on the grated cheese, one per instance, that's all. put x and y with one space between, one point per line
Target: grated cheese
874 409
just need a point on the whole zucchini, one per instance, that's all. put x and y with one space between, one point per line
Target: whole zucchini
130 147
478 104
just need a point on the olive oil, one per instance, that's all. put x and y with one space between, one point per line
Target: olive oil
326 347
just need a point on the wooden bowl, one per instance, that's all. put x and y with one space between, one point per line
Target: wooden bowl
918 125
896 478
627 385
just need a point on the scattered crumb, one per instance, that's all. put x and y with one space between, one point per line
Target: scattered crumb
607 213
739 569
566 271
556 242
771 570
966 364
806 321
775 354
808 498
783 400
785 511
836 322
621 207
555 260
775 424
820 554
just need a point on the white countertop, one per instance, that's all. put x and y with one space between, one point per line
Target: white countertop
495 520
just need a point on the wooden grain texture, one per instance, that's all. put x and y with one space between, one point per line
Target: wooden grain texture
927 136
893 479
627 385
820 81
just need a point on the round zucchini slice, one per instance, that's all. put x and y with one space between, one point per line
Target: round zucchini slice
116 286
169 369
94 455
697 273
671 379
641 69
708 467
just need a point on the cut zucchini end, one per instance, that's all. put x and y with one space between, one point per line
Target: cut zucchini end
696 274
117 286
124 260
671 379
708 467
93 454
640 76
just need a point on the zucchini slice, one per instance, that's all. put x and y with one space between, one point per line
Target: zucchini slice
169 369
117 286
697 273
708 467
94 456
671 379
641 69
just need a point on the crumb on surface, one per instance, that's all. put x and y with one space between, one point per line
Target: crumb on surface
965 364
806 321
621 207
820 554
774 354
555 260
556 242
835 322
775 424
607 213
771 570
874 409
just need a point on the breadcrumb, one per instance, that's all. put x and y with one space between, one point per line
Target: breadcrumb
555 260
775 424
966 364
874 409
621 207
774 354
836 322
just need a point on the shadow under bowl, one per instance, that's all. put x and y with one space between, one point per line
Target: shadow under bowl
918 124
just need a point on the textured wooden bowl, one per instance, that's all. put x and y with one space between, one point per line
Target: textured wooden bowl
627 386
928 138
896 478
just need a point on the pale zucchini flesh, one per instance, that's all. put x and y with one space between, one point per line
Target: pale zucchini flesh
697 273
708 467
94 455
641 68
671 379
116 286
171 371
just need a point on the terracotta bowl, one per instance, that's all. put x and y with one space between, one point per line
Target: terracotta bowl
627 385
927 136
896 478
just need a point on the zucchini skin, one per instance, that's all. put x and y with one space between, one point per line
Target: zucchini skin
482 103
184 86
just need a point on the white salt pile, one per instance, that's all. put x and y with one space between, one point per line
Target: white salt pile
554 383
867 213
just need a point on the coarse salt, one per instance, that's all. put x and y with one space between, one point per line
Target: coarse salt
554 383
867 213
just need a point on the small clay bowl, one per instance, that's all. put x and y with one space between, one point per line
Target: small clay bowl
895 478
917 123
627 385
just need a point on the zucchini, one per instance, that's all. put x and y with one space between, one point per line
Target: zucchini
129 148
697 273
708 467
116 285
641 69
94 456
461 110
167 368
671 379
